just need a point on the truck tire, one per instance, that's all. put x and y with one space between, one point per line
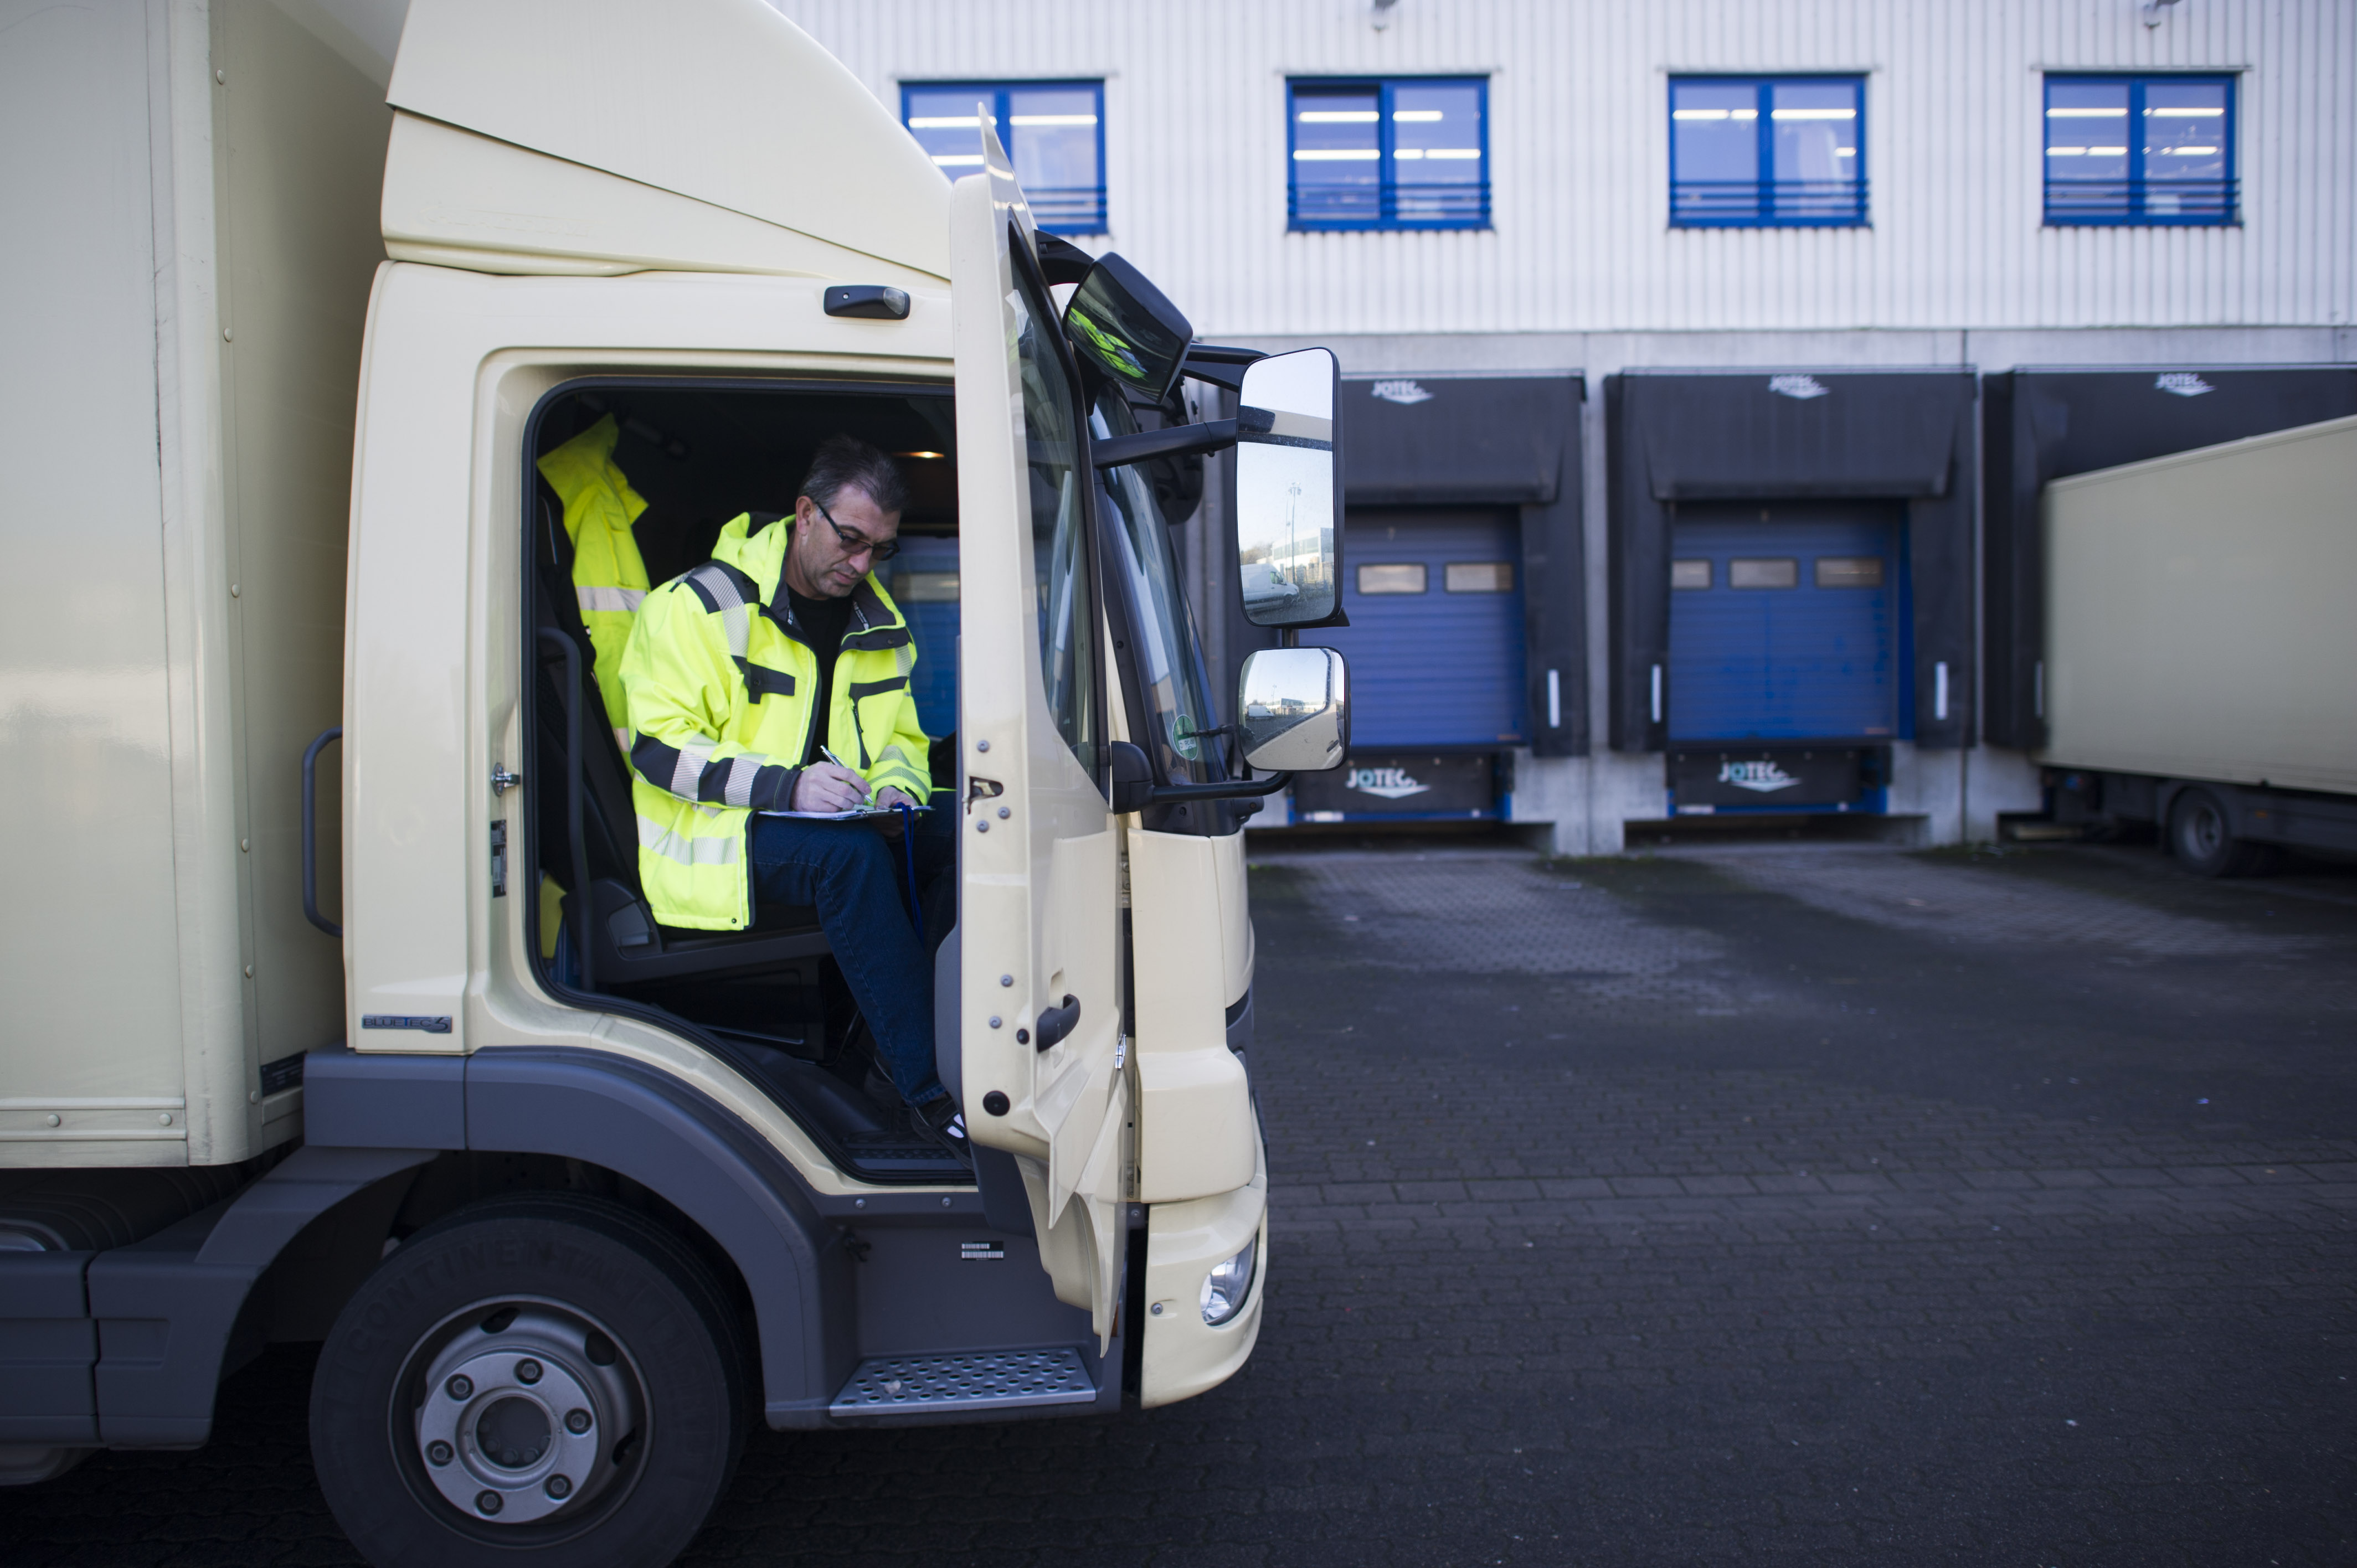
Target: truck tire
2201 834
543 1378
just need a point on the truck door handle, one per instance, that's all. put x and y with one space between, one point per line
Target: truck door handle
311 832
1055 1023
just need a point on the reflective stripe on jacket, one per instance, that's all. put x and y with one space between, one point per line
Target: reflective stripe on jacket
608 578
719 677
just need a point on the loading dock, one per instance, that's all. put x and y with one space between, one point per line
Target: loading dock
1791 580
1787 631
1465 583
1435 603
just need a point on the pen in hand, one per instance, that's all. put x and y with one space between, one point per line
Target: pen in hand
867 798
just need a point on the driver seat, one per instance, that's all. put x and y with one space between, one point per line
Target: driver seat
626 945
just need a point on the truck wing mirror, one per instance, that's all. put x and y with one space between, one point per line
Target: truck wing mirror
1292 709
1288 510
1125 327
1293 712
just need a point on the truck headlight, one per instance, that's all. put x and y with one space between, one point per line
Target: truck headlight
1227 1286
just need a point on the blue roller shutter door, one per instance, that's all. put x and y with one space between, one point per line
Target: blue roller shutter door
1786 629
1436 639
924 583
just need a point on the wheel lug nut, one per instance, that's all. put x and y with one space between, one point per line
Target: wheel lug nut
577 1421
437 1453
558 1487
527 1371
458 1388
487 1502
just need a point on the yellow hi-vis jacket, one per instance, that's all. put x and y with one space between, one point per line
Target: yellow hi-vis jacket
608 578
719 678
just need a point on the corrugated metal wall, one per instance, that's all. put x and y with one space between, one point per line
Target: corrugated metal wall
1194 147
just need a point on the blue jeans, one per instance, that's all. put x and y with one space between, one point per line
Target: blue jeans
847 870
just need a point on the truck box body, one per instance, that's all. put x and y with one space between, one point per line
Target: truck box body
2198 614
192 203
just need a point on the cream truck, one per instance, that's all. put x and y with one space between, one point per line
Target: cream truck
336 1011
2200 647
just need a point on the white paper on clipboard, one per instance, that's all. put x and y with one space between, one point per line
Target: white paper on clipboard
855 814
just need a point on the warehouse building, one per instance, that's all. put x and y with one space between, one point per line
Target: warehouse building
1703 360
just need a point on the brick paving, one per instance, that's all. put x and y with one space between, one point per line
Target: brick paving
1734 1205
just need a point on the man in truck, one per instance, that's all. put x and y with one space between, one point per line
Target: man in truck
774 677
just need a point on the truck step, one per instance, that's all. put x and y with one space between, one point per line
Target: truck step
977 1379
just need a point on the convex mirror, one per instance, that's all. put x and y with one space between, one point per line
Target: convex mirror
1293 710
1289 518
1120 323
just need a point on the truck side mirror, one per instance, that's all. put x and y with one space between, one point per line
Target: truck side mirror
1120 323
1289 515
1293 710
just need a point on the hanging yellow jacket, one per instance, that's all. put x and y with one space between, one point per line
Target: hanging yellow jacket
720 677
609 578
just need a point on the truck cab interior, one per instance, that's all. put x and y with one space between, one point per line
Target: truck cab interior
770 1000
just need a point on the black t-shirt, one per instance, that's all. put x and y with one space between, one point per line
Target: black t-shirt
823 623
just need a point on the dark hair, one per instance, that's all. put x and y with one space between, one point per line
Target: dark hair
846 462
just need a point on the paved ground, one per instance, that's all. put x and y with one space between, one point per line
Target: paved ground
1771 1204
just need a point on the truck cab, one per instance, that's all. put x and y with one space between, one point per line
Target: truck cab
574 1197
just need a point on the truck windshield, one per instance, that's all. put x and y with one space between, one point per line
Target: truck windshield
1169 659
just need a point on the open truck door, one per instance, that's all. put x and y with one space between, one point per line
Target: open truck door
1040 1024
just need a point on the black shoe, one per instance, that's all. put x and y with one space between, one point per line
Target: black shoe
938 1120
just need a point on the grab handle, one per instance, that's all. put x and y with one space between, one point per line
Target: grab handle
1055 1023
585 900
311 832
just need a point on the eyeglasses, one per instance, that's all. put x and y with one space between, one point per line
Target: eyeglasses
853 544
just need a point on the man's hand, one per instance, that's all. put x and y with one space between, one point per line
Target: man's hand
825 787
887 821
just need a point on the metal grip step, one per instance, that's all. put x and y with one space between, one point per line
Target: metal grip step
979 1379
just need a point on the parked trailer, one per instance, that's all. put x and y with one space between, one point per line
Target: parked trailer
292 330
2199 647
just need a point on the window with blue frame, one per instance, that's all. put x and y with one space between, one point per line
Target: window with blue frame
2140 150
1053 130
1750 152
1412 153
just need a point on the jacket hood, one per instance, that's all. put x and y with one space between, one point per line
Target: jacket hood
575 470
758 551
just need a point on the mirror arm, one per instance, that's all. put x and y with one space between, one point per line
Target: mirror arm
1134 788
1218 366
1234 789
1230 378
1179 441
1061 262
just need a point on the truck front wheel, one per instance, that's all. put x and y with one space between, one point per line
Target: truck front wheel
537 1379
2202 836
